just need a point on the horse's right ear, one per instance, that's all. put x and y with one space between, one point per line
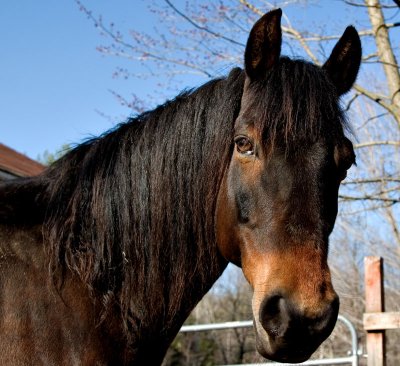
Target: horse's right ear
264 45
344 61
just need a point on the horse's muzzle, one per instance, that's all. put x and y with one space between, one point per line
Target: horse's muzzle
285 334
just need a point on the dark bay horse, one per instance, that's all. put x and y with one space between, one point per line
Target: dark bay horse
104 255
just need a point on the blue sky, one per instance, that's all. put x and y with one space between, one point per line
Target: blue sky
53 81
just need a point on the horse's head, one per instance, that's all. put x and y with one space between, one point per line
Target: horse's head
278 201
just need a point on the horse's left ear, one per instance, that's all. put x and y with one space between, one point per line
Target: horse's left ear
344 61
264 45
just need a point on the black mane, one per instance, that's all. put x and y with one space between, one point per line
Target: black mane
296 105
145 194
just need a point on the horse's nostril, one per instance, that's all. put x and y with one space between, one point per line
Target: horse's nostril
274 315
328 319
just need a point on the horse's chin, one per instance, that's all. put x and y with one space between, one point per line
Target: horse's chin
280 351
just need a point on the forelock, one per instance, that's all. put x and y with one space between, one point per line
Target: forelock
295 105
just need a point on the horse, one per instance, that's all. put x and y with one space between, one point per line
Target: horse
104 255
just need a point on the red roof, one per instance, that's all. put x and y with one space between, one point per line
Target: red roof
18 164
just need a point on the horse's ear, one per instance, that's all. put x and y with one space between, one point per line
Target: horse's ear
344 61
264 45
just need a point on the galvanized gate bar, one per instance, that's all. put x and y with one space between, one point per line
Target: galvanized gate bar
352 359
324 361
216 326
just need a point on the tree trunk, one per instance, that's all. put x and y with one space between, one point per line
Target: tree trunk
385 52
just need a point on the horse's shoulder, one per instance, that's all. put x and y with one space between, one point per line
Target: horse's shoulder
22 247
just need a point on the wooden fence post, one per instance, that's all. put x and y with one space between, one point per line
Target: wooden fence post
374 303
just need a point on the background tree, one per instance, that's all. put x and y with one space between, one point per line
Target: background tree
203 39
48 158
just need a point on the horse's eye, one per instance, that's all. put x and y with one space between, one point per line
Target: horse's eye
244 146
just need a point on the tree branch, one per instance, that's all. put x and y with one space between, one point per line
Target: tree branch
376 143
369 198
372 180
379 100
205 29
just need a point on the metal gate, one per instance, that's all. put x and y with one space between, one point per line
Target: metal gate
352 359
